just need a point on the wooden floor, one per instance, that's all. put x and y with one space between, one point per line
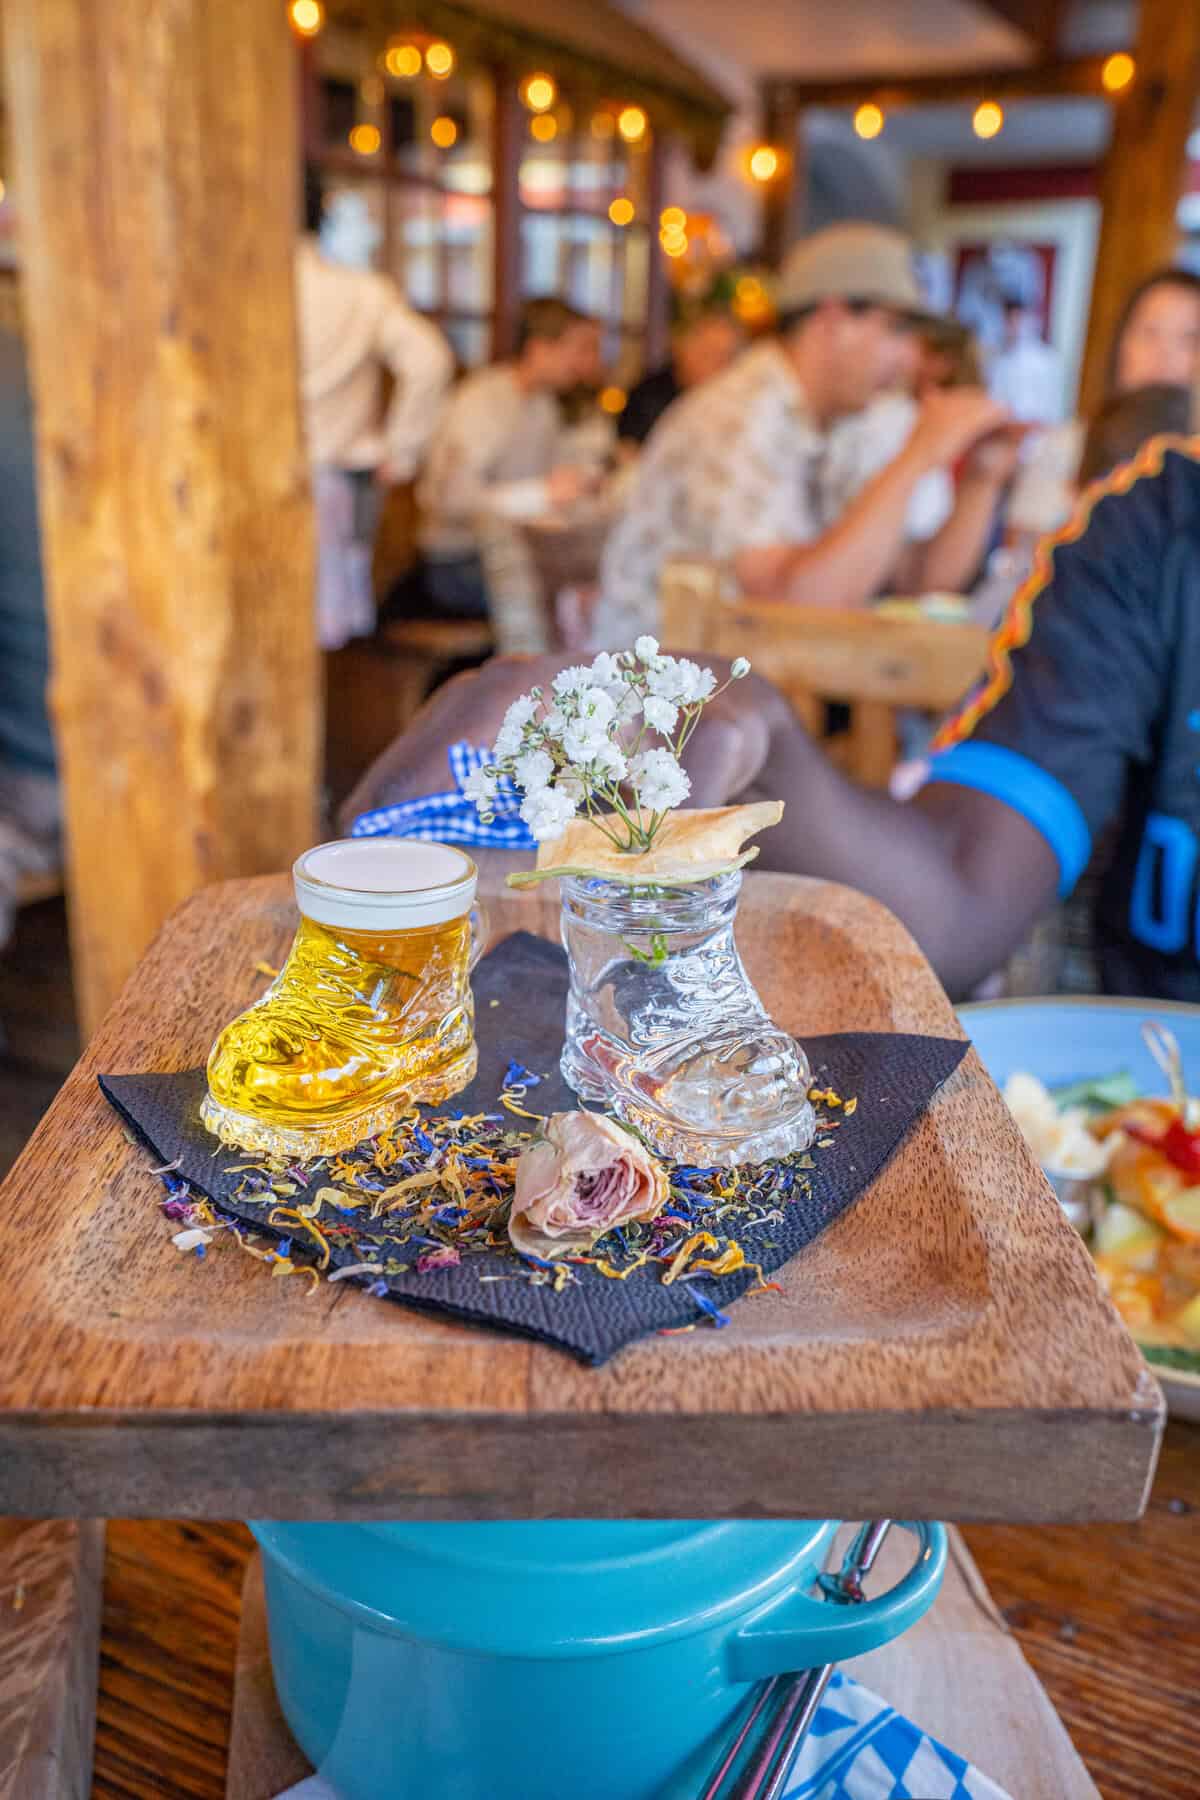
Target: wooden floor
1109 1616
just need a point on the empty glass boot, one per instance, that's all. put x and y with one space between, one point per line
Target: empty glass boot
664 1026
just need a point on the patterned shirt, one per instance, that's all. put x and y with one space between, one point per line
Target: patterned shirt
740 463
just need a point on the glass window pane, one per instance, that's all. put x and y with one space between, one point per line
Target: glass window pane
467 165
472 340
367 189
416 260
545 168
467 232
599 171
540 240
589 271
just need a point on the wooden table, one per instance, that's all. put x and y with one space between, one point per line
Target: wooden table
944 1350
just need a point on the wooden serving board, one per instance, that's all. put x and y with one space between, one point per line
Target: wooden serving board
944 1350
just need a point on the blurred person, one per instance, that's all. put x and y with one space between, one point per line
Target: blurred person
1127 420
498 453
1027 372
353 326
1084 728
29 803
1157 341
741 468
589 438
947 357
703 343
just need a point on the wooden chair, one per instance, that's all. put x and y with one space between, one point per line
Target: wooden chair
374 687
815 655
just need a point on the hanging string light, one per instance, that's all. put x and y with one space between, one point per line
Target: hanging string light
403 61
988 119
868 120
622 210
612 400
439 60
764 163
673 218
539 92
365 140
444 132
632 123
1118 71
543 127
306 16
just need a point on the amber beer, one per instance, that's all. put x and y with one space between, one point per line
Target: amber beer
371 1013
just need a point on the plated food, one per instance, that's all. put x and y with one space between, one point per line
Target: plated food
1126 1165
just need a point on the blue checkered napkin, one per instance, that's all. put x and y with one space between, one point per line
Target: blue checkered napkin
453 818
860 1748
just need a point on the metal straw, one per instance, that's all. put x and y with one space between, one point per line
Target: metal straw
801 1696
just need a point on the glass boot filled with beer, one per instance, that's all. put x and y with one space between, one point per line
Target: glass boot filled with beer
371 1013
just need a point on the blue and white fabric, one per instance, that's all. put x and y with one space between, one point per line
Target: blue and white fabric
858 1748
452 817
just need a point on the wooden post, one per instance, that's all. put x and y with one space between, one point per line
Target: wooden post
1143 173
155 151
783 197
508 121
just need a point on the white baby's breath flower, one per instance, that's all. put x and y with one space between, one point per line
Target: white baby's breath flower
534 769
661 714
572 681
583 739
646 650
547 812
480 786
677 679
518 716
740 668
608 763
659 780
606 671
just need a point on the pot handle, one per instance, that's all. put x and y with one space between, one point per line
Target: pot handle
798 1631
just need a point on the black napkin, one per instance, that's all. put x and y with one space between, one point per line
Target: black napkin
520 996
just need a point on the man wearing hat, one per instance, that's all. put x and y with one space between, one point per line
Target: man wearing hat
742 469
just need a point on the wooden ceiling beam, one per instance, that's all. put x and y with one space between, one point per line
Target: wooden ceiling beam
1038 20
1062 76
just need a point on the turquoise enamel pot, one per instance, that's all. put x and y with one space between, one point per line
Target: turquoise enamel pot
531 1661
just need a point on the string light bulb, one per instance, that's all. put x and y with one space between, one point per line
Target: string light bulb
764 163
673 218
403 60
439 60
1118 71
988 119
631 123
543 127
621 211
365 140
307 17
444 132
539 92
868 120
612 400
